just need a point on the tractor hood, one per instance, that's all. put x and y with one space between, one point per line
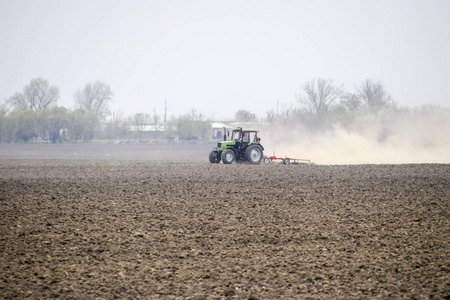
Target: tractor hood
223 145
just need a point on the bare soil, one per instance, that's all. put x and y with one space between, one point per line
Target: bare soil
192 230
127 150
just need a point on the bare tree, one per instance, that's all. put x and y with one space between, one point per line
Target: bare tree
320 95
139 121
195 115
38 95
155 120
244 116
351 102
271 116
286 112
95 98
18 102
374 97
116 127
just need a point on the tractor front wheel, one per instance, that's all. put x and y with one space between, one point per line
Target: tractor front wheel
228 156
214 157
254 154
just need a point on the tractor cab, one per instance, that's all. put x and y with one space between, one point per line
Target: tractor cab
240 145
245 136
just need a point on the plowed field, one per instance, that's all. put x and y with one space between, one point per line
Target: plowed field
104 230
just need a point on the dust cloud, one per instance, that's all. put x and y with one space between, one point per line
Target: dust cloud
415 137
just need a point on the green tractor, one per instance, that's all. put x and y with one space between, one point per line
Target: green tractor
241 146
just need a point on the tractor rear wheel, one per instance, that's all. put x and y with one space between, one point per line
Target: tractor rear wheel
214 157
228 156
254 154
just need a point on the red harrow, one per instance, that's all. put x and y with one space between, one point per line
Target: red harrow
285 160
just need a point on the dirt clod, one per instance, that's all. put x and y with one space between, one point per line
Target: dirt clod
160 230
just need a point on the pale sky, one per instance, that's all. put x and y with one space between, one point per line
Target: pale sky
222 56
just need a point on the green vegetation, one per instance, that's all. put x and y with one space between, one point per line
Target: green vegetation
34 116
56 125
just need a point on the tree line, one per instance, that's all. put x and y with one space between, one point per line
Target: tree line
33 115
321 103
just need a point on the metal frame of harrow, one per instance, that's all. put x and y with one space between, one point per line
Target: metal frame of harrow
285 160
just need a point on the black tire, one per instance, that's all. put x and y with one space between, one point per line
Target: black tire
228 156
253 154
214 157
286 161
266 160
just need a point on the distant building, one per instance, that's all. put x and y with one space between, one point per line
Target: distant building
218 130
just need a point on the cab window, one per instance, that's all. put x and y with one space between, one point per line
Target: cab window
246 137
252 137
236 135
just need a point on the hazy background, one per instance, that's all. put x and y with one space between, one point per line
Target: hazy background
221 56
416 138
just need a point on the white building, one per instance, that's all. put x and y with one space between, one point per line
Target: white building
218 130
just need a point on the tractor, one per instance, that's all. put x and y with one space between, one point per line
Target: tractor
240 146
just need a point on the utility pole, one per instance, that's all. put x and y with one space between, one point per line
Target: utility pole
165 113
154 116
278 107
